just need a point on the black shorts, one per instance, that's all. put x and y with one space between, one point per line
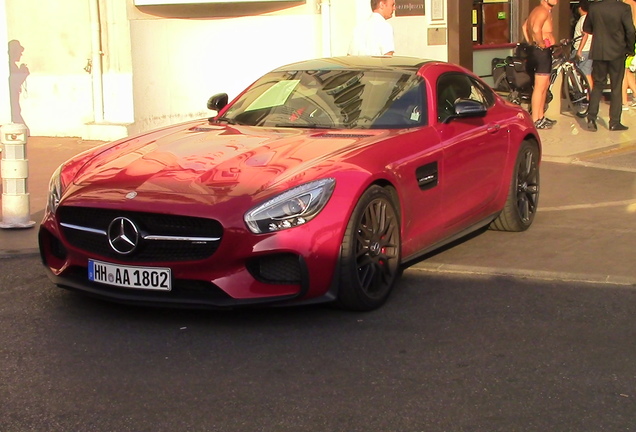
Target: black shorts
541 60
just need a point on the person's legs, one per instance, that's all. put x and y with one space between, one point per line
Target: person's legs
630 82
624 90
599 75
543 66
616 70
586 68
541 84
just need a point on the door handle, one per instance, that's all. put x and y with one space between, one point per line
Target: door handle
494 128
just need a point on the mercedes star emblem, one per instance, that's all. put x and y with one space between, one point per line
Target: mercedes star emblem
123 235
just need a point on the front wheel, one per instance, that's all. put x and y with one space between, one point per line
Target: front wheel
523 195
578 92
370 252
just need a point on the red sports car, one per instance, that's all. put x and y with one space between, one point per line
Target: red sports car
318 183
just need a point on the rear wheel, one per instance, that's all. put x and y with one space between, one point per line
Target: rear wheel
370 252
501 84
548 99
578 92
523 195
514 97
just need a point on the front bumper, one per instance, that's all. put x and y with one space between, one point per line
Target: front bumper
246 270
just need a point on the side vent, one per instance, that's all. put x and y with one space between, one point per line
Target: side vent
427 176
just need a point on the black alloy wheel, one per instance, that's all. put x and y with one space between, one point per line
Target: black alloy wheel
523 195
578 92
370 252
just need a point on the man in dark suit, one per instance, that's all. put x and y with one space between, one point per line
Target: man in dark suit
610 21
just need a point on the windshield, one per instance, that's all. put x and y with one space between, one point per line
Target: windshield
348 99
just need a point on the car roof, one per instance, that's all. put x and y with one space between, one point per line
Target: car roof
411 64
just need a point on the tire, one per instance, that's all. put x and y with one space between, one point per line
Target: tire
501 84
370 252
523 195
548 98
514 97
578 92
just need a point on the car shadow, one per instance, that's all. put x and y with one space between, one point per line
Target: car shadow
446 247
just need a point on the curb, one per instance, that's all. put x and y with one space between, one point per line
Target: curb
624 281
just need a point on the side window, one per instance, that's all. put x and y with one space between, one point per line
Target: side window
406 108
487 95
480 93
452 86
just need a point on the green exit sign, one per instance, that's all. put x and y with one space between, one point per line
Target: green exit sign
501 15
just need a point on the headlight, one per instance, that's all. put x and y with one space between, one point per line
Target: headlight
292 208
55 190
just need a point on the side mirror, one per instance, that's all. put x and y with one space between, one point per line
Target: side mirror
469 108
217 102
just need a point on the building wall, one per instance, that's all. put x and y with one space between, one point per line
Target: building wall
53 79
5 106
116 62
183 55
102 69
56 90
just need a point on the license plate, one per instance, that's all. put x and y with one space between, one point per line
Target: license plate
150 278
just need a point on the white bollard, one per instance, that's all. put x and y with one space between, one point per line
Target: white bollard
14 171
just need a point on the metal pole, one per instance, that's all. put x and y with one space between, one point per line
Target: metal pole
325 18
96 62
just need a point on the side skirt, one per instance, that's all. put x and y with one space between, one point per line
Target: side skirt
446 241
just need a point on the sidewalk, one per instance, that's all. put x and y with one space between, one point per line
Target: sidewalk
568 143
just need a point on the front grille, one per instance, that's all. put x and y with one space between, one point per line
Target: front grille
91 225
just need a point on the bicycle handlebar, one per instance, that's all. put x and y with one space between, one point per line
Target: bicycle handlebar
561 43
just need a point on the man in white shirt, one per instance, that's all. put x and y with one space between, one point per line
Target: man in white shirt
374 37
583 42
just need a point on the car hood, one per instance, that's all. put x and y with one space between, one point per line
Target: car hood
214 159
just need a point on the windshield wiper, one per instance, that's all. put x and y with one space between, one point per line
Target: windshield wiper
304 126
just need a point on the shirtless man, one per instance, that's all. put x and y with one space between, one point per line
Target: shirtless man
538 32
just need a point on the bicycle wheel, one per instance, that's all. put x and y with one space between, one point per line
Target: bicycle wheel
514 97
501 84
578 91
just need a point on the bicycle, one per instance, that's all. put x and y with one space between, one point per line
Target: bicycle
575 88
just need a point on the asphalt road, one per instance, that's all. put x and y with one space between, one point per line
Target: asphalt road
507 345
446 353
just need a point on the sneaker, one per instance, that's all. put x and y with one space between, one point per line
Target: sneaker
552 122
633 104
543 123
626 107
